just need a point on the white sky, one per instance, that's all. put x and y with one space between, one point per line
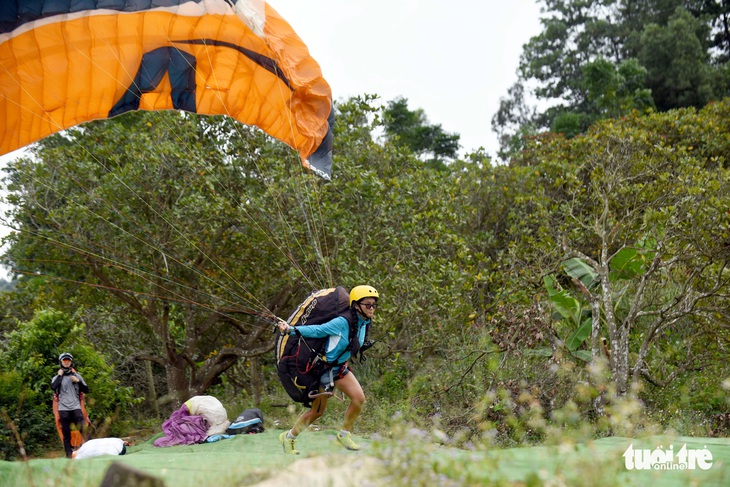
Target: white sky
453 59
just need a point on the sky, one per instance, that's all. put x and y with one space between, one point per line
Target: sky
454 60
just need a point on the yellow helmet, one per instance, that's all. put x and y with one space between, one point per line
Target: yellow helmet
361 292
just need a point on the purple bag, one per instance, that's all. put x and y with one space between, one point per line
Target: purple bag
183 429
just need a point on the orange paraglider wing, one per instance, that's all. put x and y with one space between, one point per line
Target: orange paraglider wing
77 438
63 63
57 417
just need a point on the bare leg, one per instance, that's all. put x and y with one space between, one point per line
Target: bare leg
350 386
318 407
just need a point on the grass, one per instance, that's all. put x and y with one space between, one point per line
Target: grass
406 457
509 438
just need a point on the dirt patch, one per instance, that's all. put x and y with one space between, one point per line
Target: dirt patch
333 471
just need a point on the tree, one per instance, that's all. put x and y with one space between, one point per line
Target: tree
155 210
514 121
611 91
196 228
411 129
676 59
638 203
718 14
596 60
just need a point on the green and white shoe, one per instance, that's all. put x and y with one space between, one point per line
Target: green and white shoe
289 444
348 442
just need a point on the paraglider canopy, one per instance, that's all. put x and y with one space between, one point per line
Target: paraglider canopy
64 63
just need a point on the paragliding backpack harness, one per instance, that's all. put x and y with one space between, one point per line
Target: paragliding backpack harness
300 361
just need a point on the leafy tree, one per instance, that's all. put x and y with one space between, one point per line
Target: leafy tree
514 121
410 128
638 205
152 209
611 91
718 14
676 59
595 60
196 228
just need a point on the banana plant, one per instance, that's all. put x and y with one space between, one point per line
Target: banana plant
571 310
628 264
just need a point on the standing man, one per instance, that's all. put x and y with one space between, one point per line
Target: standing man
68 387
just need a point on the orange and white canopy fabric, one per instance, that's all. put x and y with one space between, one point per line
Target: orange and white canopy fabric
66 62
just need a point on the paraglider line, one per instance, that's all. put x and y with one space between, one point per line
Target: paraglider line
265 62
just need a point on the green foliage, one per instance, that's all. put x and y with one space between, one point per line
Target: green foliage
617 89
411 129
514 122
175 217
162 212
640 213
630 263
693 404
676 59
569 123
568 307
577 269
33 349
610 90
571 310
179 231
29 412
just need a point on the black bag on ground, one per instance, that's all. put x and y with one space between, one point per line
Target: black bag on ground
248 422
301 362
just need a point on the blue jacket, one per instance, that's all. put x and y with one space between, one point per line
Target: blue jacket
338 331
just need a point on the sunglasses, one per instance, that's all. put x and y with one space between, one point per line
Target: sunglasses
369 305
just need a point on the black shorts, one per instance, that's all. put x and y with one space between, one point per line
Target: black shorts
73 416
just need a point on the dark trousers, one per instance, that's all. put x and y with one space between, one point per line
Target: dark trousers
67 418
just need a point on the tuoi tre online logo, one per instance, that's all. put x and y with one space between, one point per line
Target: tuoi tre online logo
659 459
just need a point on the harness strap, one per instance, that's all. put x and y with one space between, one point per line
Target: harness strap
316 394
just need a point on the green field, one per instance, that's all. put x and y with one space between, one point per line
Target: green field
258 460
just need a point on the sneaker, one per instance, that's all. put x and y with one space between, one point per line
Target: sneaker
288 444
348 442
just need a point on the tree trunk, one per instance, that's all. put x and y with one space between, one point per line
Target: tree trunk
620 360
153 390
596 349
177 380
256 379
